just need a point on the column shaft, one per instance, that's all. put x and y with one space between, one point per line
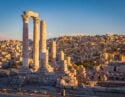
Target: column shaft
69 60
53 53
36 44
42 44
65 66
25 45
42 36
46 59
53 50
61 55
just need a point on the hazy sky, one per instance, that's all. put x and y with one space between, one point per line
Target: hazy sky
64 16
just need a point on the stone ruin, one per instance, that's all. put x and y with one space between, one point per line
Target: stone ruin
59 73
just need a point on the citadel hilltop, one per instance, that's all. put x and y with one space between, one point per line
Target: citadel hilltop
72 62
57 72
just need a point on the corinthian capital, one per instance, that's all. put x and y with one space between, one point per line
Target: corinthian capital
35 20
25 18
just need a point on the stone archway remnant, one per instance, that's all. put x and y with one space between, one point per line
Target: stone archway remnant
35 16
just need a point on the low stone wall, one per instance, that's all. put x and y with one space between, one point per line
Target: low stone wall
111 83
96 91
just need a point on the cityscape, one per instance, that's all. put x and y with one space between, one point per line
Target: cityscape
81 65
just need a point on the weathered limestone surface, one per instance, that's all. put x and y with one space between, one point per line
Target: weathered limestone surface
69 61
43 46
31 14
42 36
53 54
61 55
25 42
68 75
26 16
53 49
46 74
36 44
46 60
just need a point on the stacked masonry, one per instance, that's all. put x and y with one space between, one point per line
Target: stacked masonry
67 73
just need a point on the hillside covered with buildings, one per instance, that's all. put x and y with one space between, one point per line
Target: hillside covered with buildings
92 50
93 57
88 51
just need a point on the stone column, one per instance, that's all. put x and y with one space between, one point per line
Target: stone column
61 55
36 43
25 43
42 44
46 59
65 67
42 36
69 61
53 49
53 53
122 58
63 62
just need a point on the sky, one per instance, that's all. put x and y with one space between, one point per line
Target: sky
64 17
